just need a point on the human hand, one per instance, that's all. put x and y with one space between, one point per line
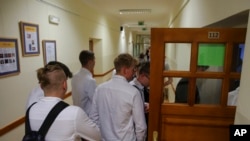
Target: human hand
146 107
168 82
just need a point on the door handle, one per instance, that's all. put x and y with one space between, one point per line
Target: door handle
155 136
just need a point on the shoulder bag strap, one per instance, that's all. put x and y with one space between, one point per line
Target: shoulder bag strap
27 119
142 95
51 117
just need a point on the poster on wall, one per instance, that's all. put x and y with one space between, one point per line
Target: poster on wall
29 39
9 60
49 51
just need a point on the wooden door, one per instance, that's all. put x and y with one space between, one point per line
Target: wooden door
192 121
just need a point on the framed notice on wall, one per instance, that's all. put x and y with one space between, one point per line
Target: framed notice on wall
9 60
29 39
49 51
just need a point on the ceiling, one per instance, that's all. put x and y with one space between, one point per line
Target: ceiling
239 20
160 12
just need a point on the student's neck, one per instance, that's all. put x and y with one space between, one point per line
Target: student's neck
88 68
58 95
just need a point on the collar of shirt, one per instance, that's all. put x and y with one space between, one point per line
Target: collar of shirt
138 84
86 71
119 77
48 98
139 87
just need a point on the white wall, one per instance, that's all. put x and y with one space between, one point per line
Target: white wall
199 13
242 111
78 23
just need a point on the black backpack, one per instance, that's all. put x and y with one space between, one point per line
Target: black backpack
40 135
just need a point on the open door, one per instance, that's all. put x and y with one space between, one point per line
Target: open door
200 112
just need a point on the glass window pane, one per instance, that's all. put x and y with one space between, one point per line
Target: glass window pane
182 91
177 56
237 57
209 90
177 91
169 89
234 87
211 55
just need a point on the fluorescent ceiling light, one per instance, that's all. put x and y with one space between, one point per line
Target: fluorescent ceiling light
135 11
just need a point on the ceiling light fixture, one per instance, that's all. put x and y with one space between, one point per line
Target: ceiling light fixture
135 11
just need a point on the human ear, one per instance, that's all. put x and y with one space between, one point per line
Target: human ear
65 86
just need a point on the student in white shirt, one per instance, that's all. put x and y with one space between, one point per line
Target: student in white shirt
83 84
118 107
233 97
141 82
37 93
72 123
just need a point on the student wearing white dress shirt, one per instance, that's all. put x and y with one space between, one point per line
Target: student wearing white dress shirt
118 107
37 92
233 97
72 123
141 82
83 84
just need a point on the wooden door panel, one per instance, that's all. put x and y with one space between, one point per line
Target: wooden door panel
194 130
206 123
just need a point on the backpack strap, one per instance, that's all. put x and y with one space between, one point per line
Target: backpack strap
48 120
27 119
142 96
51 117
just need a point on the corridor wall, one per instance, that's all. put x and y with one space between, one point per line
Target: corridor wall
78 24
